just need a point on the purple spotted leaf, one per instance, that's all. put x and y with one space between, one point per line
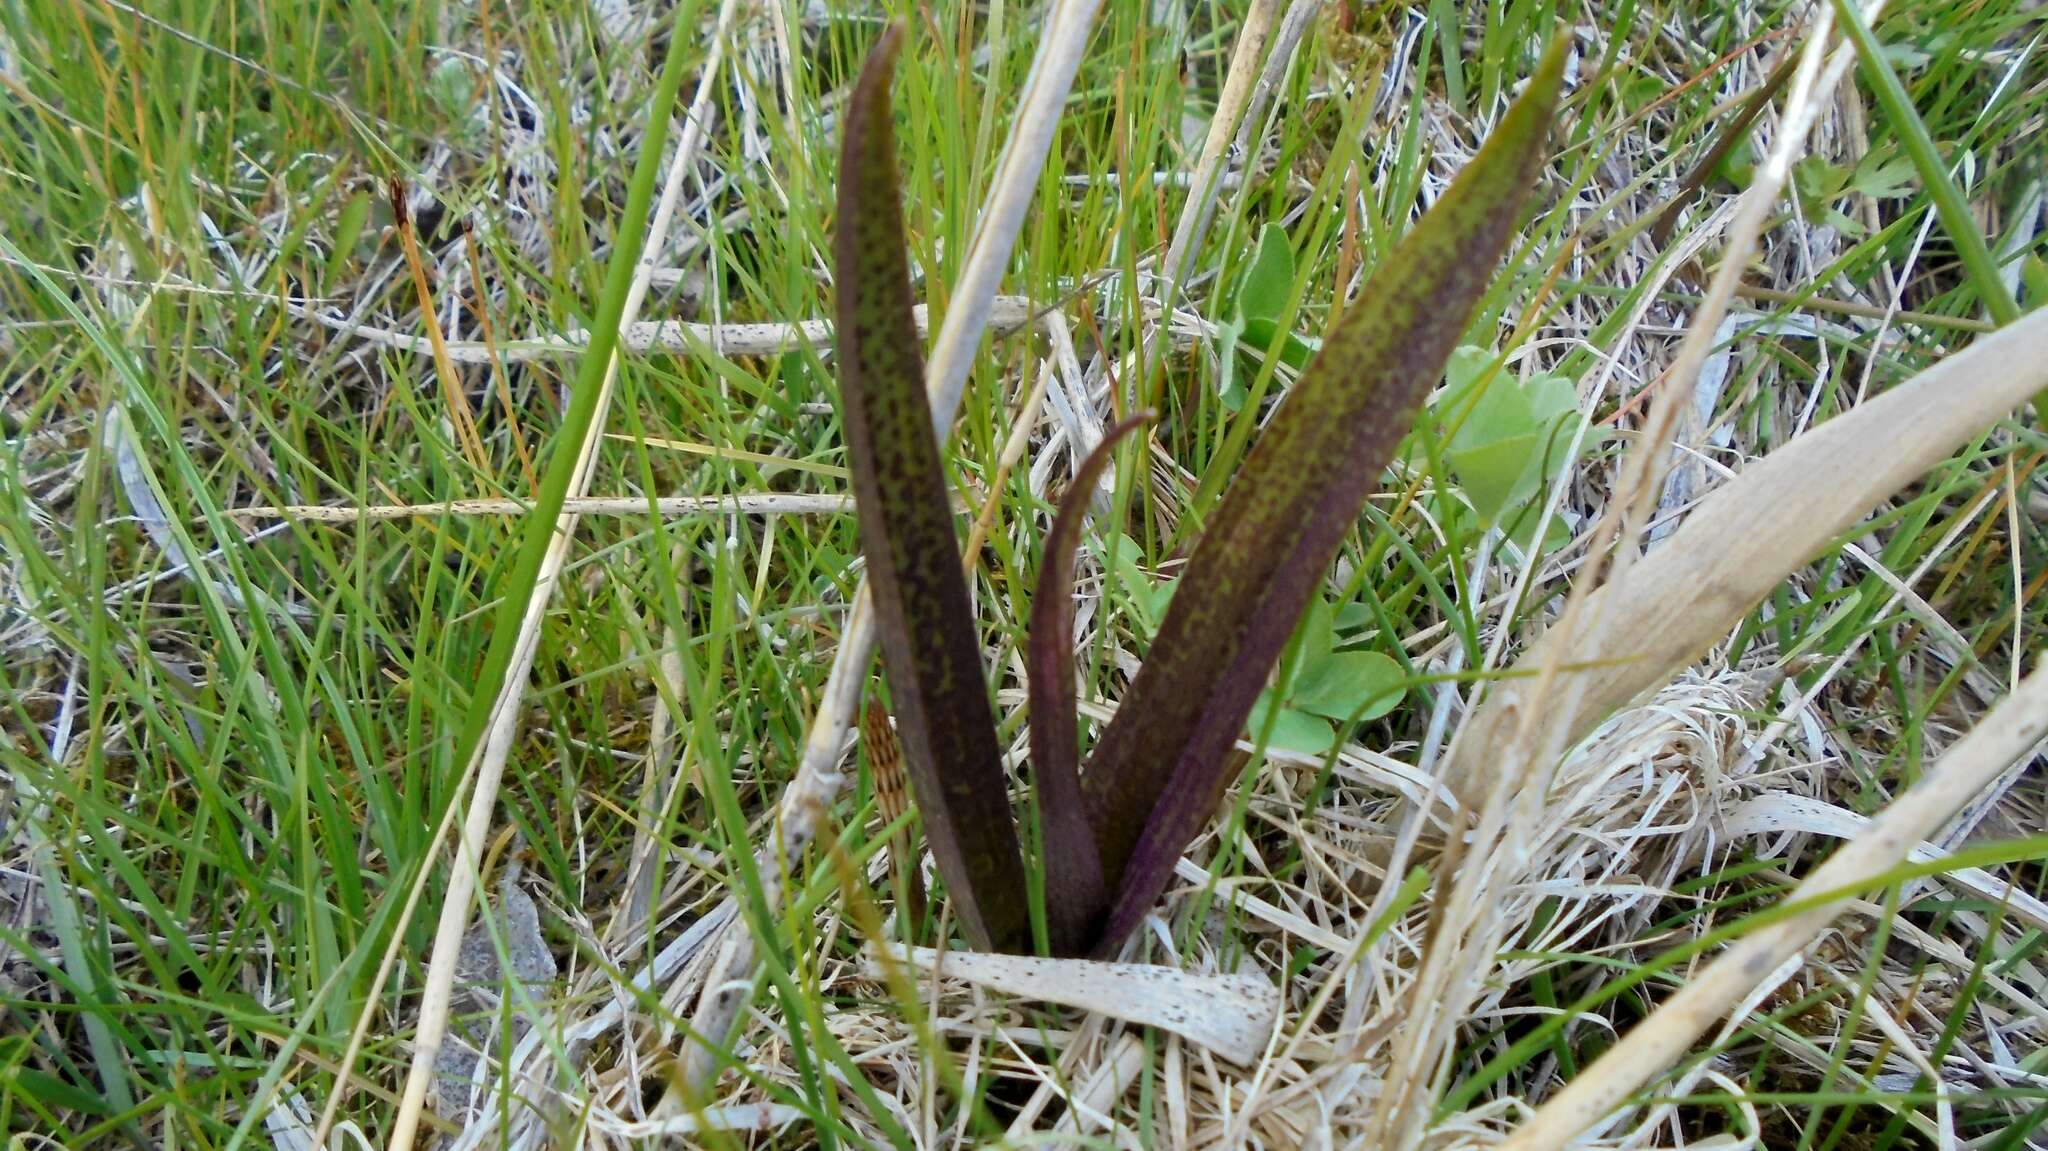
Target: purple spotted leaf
1074 893
930 645
1155 777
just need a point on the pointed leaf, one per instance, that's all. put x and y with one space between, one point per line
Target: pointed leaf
1160 597
1272 539
925 619
1074 896
347 230
1270 278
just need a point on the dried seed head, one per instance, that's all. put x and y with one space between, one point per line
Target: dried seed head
885 760
892 798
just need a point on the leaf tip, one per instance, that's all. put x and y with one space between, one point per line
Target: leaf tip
880 66
1546 83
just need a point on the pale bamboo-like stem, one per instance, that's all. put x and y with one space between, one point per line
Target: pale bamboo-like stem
970 311
1774 516
1301 15
1245 60
1240 84
1004 314
502 726
1419 812
1090 1105
1742 540
756 503
818 778
1502 774
1652 459
2011 730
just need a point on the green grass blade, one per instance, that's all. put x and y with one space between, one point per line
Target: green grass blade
1160 767
922 610
1948 199
538 526
100 1040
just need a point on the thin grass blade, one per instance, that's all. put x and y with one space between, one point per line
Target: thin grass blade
1074 896
1152 783
1949 202
929 642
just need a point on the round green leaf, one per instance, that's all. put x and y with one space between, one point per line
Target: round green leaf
1340 683
1496 475
1294 731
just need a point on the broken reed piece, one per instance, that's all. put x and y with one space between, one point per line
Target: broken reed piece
1233 1016
892 799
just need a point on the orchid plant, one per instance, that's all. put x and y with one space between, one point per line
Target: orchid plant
1111 833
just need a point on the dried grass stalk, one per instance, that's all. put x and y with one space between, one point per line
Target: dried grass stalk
1245 58
2014 728
1005 314
1779 513
488 760
1231 1015
751 503
1466 921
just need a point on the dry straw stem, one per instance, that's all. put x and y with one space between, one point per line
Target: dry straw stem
492 752
1778 514
818 779
1651 459
2012 729
1668 608
1247 86
1231 1015
1785 811
1005 314
1521 730
1230 105
757 503
452 393
1089 1107
1240 111
1009 197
